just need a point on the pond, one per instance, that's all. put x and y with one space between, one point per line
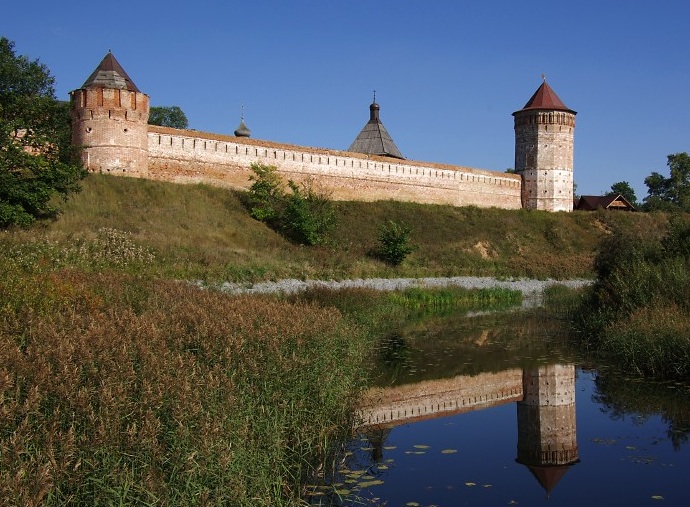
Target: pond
497 410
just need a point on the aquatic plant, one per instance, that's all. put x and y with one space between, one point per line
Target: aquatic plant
118 390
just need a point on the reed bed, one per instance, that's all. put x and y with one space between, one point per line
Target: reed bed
124 391
455 298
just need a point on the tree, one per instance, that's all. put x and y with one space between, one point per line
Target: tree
672 193
168 116
266 194
35 149
623 188
394 242
305 215
309 214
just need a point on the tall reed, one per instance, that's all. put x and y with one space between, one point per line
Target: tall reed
118 390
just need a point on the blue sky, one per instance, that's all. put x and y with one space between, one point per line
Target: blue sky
447 73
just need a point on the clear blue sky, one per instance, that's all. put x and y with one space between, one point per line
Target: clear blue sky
447 73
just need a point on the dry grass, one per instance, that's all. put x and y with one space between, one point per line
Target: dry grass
197 231
121 391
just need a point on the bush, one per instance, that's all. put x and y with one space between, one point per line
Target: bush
305 216
309 214
394 243
641 280
266 194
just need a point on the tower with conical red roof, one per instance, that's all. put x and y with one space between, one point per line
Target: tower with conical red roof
110 121
544 143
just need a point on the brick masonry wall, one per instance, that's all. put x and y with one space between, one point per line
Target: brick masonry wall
110 125
185 156
544 156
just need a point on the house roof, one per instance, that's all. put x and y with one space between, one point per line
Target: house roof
374 138
110 74
593 202
545 99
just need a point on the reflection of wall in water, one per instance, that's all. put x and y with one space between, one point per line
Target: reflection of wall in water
547 437
545 396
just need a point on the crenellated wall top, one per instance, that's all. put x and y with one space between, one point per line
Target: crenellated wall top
258 143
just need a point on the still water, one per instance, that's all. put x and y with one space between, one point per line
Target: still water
496 410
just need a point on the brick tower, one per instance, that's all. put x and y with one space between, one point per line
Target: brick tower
109 121
547 436
544 140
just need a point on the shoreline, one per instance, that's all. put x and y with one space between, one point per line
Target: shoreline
528 287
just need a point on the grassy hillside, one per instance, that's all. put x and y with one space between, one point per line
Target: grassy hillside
198 231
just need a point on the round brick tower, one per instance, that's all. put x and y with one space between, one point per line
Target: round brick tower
544 141
110 121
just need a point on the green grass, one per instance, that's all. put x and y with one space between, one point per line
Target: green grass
198 231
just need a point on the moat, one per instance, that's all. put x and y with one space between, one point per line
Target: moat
497 410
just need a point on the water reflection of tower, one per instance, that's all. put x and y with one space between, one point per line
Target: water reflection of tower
547 437
377 435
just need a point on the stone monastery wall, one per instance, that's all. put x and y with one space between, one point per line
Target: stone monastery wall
187 156
109 126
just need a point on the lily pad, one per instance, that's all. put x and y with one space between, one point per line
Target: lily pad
370 483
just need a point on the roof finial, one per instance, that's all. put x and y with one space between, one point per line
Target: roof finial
374 96
543 77
242 112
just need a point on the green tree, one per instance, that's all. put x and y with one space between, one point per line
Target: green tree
623 188
266 193
672 193
309 214
394 242
168 116
305 215
35 150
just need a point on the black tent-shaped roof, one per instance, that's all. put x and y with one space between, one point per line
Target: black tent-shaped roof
374 138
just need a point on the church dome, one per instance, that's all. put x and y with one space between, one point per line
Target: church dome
242 130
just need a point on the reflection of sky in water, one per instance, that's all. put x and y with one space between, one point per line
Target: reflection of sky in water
626 461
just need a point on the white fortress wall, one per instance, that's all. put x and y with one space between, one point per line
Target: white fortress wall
186 156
